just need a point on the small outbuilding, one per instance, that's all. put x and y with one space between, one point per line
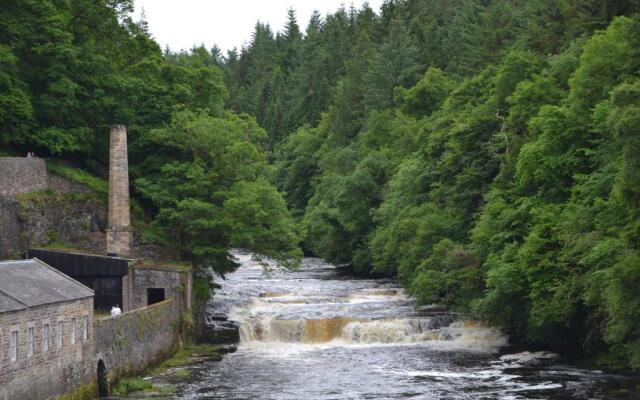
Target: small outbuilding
46 331
130 283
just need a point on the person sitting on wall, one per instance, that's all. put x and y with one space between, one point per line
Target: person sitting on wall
115 310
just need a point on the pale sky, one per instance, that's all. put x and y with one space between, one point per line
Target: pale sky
183 23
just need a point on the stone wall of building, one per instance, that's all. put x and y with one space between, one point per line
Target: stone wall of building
175 283
46 374
131 341
22 175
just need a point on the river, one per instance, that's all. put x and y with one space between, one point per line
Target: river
318 334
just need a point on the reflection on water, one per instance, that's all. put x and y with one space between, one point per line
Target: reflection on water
314 334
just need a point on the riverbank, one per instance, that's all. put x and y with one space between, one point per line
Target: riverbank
159 381
316 333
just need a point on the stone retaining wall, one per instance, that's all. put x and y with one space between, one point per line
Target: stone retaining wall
36 220
132 341
22 175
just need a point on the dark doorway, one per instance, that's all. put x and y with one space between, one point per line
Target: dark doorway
103 382
108 290
155 295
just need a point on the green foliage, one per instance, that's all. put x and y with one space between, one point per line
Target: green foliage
394 64
129 385
201 289
205 180
297 161
83 392
503 182
97 184
427 95
68 70
450 275
624 121
258 220
608 55
557 241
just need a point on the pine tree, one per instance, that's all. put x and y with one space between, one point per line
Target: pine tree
393 64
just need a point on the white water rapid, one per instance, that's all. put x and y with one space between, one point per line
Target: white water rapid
318 334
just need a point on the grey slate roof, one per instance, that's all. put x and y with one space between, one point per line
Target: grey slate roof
30 283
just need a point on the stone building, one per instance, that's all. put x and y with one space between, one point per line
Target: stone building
46 331
130 283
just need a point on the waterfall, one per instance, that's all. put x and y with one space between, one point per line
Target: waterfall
268 320
278 311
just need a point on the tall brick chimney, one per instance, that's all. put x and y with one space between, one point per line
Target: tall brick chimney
119 229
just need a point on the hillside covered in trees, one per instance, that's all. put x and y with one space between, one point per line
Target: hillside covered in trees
485 153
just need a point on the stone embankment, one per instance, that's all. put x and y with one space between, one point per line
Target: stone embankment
41 209
43 218
22 175
132 341
38 208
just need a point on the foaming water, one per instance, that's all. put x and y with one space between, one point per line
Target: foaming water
316 306
317 334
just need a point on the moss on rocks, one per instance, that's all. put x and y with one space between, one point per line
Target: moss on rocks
82 392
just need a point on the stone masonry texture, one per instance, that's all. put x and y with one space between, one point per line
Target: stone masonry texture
133 340
38 207
34 222
22 175
173 282
50 373
119 224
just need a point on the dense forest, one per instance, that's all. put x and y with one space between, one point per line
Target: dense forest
485 153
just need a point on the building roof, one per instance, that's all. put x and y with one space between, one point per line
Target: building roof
31 283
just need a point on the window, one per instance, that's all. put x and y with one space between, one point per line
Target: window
14 346
45 338
60 333
29 342
73 331
85 327
155 295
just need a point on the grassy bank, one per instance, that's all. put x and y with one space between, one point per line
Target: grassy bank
172 367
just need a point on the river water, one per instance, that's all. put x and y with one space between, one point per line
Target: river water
317 334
